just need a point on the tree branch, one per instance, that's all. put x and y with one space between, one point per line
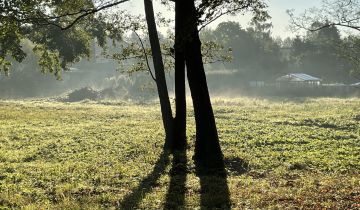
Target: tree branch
343 13
82 14
146 58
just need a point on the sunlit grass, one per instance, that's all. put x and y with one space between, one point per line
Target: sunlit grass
293 153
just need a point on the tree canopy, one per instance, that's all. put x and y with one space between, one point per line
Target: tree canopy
62 30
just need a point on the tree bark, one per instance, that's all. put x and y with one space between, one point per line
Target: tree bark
167 118
180 92
207 148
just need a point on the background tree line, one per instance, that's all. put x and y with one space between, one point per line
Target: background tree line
251 53
259 56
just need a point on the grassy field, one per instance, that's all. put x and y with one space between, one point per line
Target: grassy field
279 154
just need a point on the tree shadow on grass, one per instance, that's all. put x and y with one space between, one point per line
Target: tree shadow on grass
214 192
175 197
132 200
214 188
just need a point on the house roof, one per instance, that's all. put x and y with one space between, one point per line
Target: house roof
298 77
355 84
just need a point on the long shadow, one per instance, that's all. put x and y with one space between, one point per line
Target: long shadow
132 200
175 197
214 188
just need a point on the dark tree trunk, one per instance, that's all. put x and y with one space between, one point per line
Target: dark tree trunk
180 93
207 148
167 118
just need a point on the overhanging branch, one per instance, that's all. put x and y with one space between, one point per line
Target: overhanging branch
145 55
82 13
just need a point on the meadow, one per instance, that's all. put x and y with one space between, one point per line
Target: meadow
279 154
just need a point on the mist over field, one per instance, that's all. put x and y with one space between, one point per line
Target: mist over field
238 62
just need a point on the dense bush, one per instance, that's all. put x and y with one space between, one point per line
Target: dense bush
85 93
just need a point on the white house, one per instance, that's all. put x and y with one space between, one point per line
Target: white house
298 79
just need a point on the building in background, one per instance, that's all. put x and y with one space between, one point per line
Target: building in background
298 80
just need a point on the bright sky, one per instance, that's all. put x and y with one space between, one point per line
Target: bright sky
277 10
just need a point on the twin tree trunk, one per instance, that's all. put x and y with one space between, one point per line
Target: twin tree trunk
187 51
167 118
175 129
207 147
180 93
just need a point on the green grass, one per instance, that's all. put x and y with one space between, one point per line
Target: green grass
279 154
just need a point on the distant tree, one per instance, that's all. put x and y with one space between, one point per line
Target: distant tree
25 80
269 61
331 14
317 54
350 50
232 36
256 54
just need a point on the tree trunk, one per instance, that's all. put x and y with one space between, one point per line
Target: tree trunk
207 148
167 118
180 93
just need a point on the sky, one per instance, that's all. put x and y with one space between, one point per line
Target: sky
277 10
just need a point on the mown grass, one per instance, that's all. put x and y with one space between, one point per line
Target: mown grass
279 154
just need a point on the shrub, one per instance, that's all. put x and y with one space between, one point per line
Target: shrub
85 93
